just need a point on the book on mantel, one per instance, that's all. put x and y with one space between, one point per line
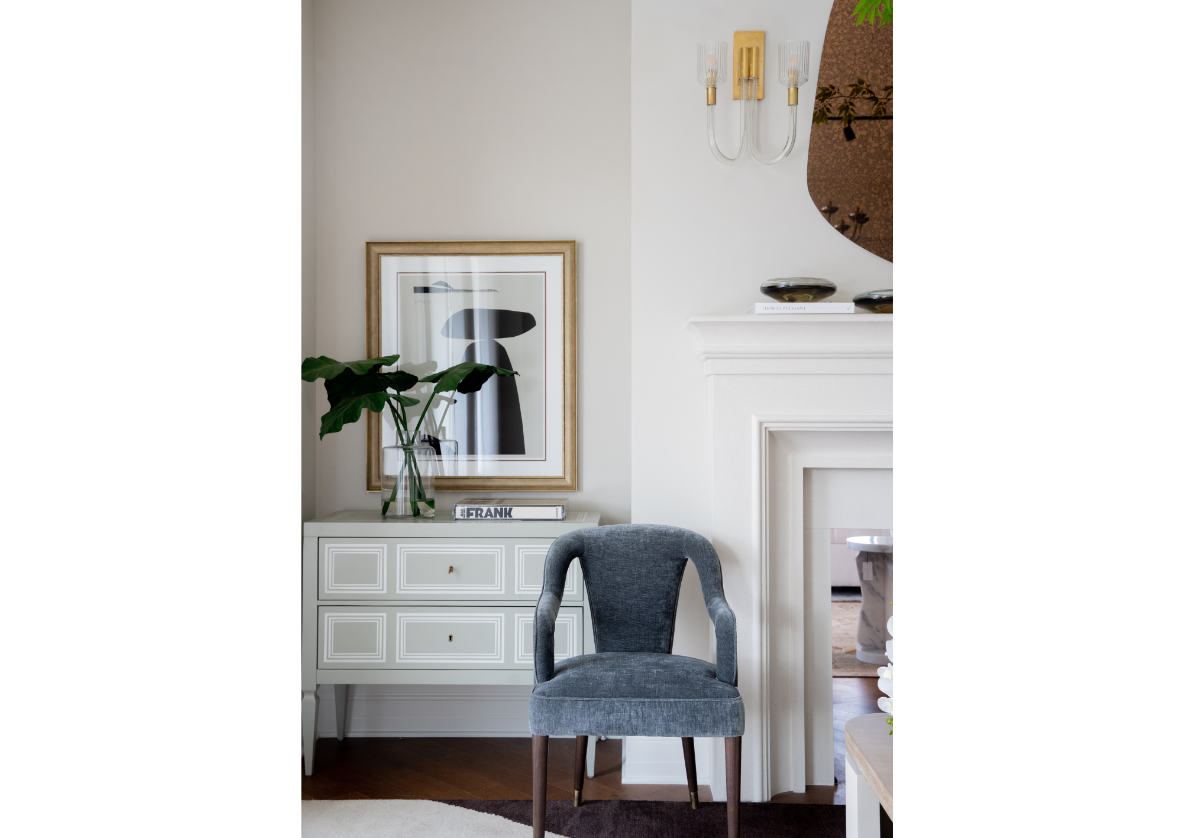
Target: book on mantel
804 308
512 509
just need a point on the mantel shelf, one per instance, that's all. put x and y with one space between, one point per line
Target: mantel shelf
801 337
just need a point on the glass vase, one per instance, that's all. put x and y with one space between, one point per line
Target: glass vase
406 490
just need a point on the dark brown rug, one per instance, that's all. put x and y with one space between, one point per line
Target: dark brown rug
632 818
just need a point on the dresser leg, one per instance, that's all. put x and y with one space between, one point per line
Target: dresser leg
308 727
339 709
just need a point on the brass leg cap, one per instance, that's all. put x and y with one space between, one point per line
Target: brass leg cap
695 801
578 797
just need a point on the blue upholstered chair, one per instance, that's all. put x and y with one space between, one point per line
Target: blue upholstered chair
633 685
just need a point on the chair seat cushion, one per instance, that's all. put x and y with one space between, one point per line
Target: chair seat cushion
635 694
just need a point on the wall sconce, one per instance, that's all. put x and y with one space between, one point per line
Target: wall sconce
712 68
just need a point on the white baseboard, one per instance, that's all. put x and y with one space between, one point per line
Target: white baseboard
465 711
659 761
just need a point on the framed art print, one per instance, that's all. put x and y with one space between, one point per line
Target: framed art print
510 304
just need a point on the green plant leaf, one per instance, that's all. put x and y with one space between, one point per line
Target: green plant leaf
354 386
407 401
349 409
870 10
465 377
325 367
398 380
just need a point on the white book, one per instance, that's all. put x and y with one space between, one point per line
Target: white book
804 308
512 509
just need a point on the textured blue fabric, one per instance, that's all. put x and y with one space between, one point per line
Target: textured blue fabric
636 694
633 686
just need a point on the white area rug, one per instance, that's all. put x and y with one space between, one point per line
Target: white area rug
402 819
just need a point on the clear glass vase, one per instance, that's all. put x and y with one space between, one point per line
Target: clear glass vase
406 490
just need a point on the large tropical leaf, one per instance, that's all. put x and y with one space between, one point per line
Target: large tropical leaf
355 386
465 377
348 410
325 367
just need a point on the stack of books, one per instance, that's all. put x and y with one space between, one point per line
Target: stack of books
510 509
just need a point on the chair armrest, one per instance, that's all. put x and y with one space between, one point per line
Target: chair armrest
554 576
543 641
708 566
725 625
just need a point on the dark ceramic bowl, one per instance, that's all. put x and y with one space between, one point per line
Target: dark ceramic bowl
879 302
798 289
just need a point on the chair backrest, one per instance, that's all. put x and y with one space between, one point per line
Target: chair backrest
633 573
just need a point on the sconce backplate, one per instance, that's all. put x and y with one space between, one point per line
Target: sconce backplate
748 40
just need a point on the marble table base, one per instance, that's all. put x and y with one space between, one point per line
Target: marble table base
875 577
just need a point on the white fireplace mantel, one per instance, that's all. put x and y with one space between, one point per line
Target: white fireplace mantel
733 344
787 393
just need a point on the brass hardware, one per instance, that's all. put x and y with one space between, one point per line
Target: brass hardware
451 638
451 570
748 48
712 95
695 800
793 96
578 797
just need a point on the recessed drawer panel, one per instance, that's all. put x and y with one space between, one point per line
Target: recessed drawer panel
353 570
568 635
451 637
470 636
458 570
531 566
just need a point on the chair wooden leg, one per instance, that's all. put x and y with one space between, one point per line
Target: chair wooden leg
581 743
733 782
689 765
541 745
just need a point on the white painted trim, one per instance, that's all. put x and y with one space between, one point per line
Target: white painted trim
658 760
764 430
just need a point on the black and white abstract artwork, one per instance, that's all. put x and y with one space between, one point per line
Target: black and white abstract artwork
500 309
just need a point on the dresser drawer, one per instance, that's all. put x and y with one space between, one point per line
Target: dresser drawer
407 569
476 637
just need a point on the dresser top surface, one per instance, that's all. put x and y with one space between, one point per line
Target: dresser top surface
366 522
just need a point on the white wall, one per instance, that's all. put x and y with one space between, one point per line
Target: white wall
475 120
703 236
309 425
467 119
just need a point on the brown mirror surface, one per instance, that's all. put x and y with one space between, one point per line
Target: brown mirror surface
850 181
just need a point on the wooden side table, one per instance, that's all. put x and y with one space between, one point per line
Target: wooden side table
868 775
428 601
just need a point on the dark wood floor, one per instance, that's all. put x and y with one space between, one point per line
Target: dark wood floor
501 769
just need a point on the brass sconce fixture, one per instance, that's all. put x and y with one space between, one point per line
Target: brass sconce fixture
712 69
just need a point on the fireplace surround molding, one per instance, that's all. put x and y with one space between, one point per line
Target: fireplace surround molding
787 393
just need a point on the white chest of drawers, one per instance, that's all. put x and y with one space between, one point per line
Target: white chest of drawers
427 602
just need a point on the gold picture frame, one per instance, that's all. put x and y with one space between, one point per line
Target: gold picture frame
412 287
